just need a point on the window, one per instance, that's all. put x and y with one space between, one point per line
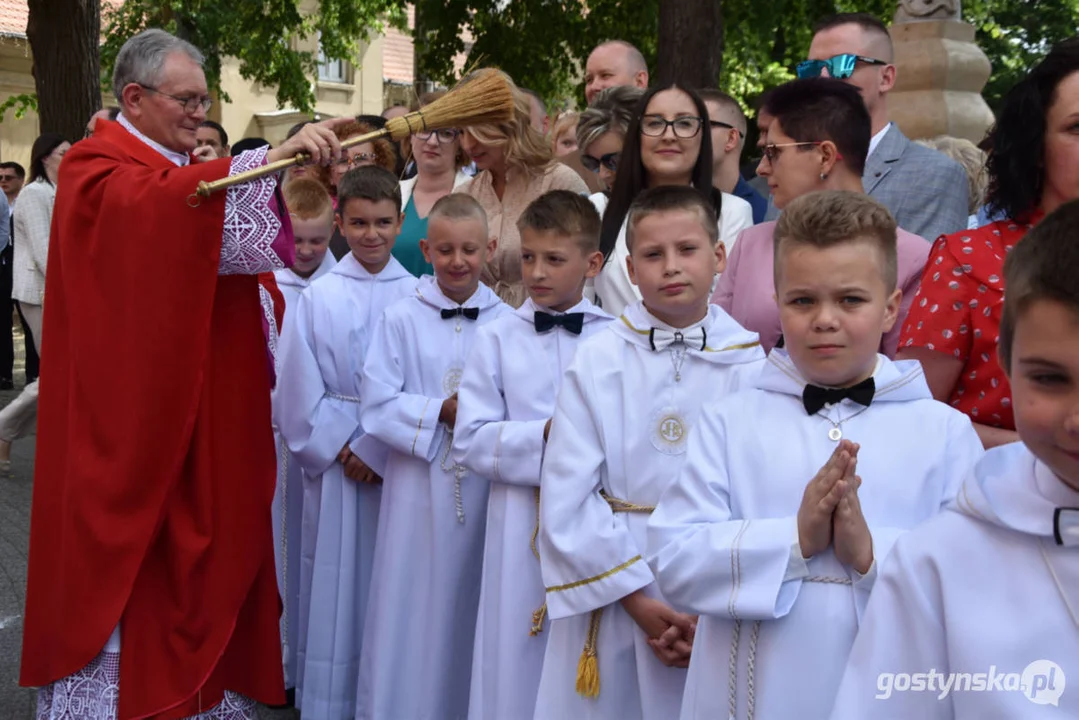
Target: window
330 70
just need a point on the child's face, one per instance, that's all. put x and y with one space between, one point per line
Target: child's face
554 268
371 228
673 264
1045 385
457 249
834 307
312 240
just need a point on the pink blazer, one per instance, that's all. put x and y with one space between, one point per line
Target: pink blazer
746 289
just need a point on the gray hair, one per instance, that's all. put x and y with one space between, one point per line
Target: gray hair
141 58
972 158
611 111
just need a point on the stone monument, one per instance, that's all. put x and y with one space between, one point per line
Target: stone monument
940 73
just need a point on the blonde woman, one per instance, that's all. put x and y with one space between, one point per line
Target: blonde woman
515 166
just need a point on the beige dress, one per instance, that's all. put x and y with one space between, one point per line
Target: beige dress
503 273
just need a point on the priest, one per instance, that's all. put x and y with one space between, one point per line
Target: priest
151 564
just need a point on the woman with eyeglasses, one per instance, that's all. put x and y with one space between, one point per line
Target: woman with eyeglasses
439 161
515 166
377 152
955 320
665 144
32 221
817 139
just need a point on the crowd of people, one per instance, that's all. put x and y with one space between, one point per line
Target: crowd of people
557 417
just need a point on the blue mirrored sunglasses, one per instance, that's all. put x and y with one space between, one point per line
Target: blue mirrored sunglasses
840 67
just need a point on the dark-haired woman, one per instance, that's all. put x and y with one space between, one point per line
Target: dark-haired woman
33 217
954 323
664 145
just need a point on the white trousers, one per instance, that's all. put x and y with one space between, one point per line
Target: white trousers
19 418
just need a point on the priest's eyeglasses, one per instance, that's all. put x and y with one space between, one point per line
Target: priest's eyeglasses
442 136
684 127
772 150
191 103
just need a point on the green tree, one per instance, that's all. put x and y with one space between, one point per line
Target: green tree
261 34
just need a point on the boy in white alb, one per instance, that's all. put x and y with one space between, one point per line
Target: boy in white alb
628 405
779 569
318 413
976 613
507 397
310 208
421 619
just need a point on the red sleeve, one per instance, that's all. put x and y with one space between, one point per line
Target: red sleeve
940 306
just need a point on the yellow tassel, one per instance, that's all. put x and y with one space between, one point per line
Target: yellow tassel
537 620
588 665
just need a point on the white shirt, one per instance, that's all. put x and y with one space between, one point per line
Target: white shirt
178 159
875 140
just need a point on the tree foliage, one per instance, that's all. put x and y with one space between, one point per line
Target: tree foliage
543 44
263 35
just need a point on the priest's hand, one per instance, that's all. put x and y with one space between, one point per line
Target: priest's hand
853 541
820 499
448 413
317 140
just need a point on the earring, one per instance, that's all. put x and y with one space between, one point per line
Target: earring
824 176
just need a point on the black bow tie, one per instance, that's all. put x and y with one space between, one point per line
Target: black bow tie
1066 526
469 313
572 322
815 397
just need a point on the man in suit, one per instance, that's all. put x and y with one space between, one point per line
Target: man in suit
926 191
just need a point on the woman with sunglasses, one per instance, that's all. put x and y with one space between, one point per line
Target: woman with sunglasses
955 320
379 152
664 145
439 161
515 166
817 139
601 130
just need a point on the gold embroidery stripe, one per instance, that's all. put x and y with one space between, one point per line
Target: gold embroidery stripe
419 427
597 578
743 346
624 319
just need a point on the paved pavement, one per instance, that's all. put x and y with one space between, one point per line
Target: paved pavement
18 703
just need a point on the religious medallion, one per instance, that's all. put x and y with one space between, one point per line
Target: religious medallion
669 430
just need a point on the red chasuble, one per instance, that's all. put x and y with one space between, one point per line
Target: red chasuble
155 464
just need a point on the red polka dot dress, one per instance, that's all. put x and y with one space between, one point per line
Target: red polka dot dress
957 309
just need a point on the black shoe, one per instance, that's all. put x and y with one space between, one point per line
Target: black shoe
7 384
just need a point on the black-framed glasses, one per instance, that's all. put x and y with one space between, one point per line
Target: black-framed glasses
840 67
772 150
684 127
609 161
442 136
721 124
191 103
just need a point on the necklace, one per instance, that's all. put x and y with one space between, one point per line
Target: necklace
678 358
1056 581
836 433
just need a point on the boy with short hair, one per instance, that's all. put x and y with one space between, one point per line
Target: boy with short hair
310 209
628 404
974 615
318 413
779 569
417 652
507 396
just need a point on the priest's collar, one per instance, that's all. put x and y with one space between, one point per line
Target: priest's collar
430 293
894 381
727 341
1011 488
178 159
